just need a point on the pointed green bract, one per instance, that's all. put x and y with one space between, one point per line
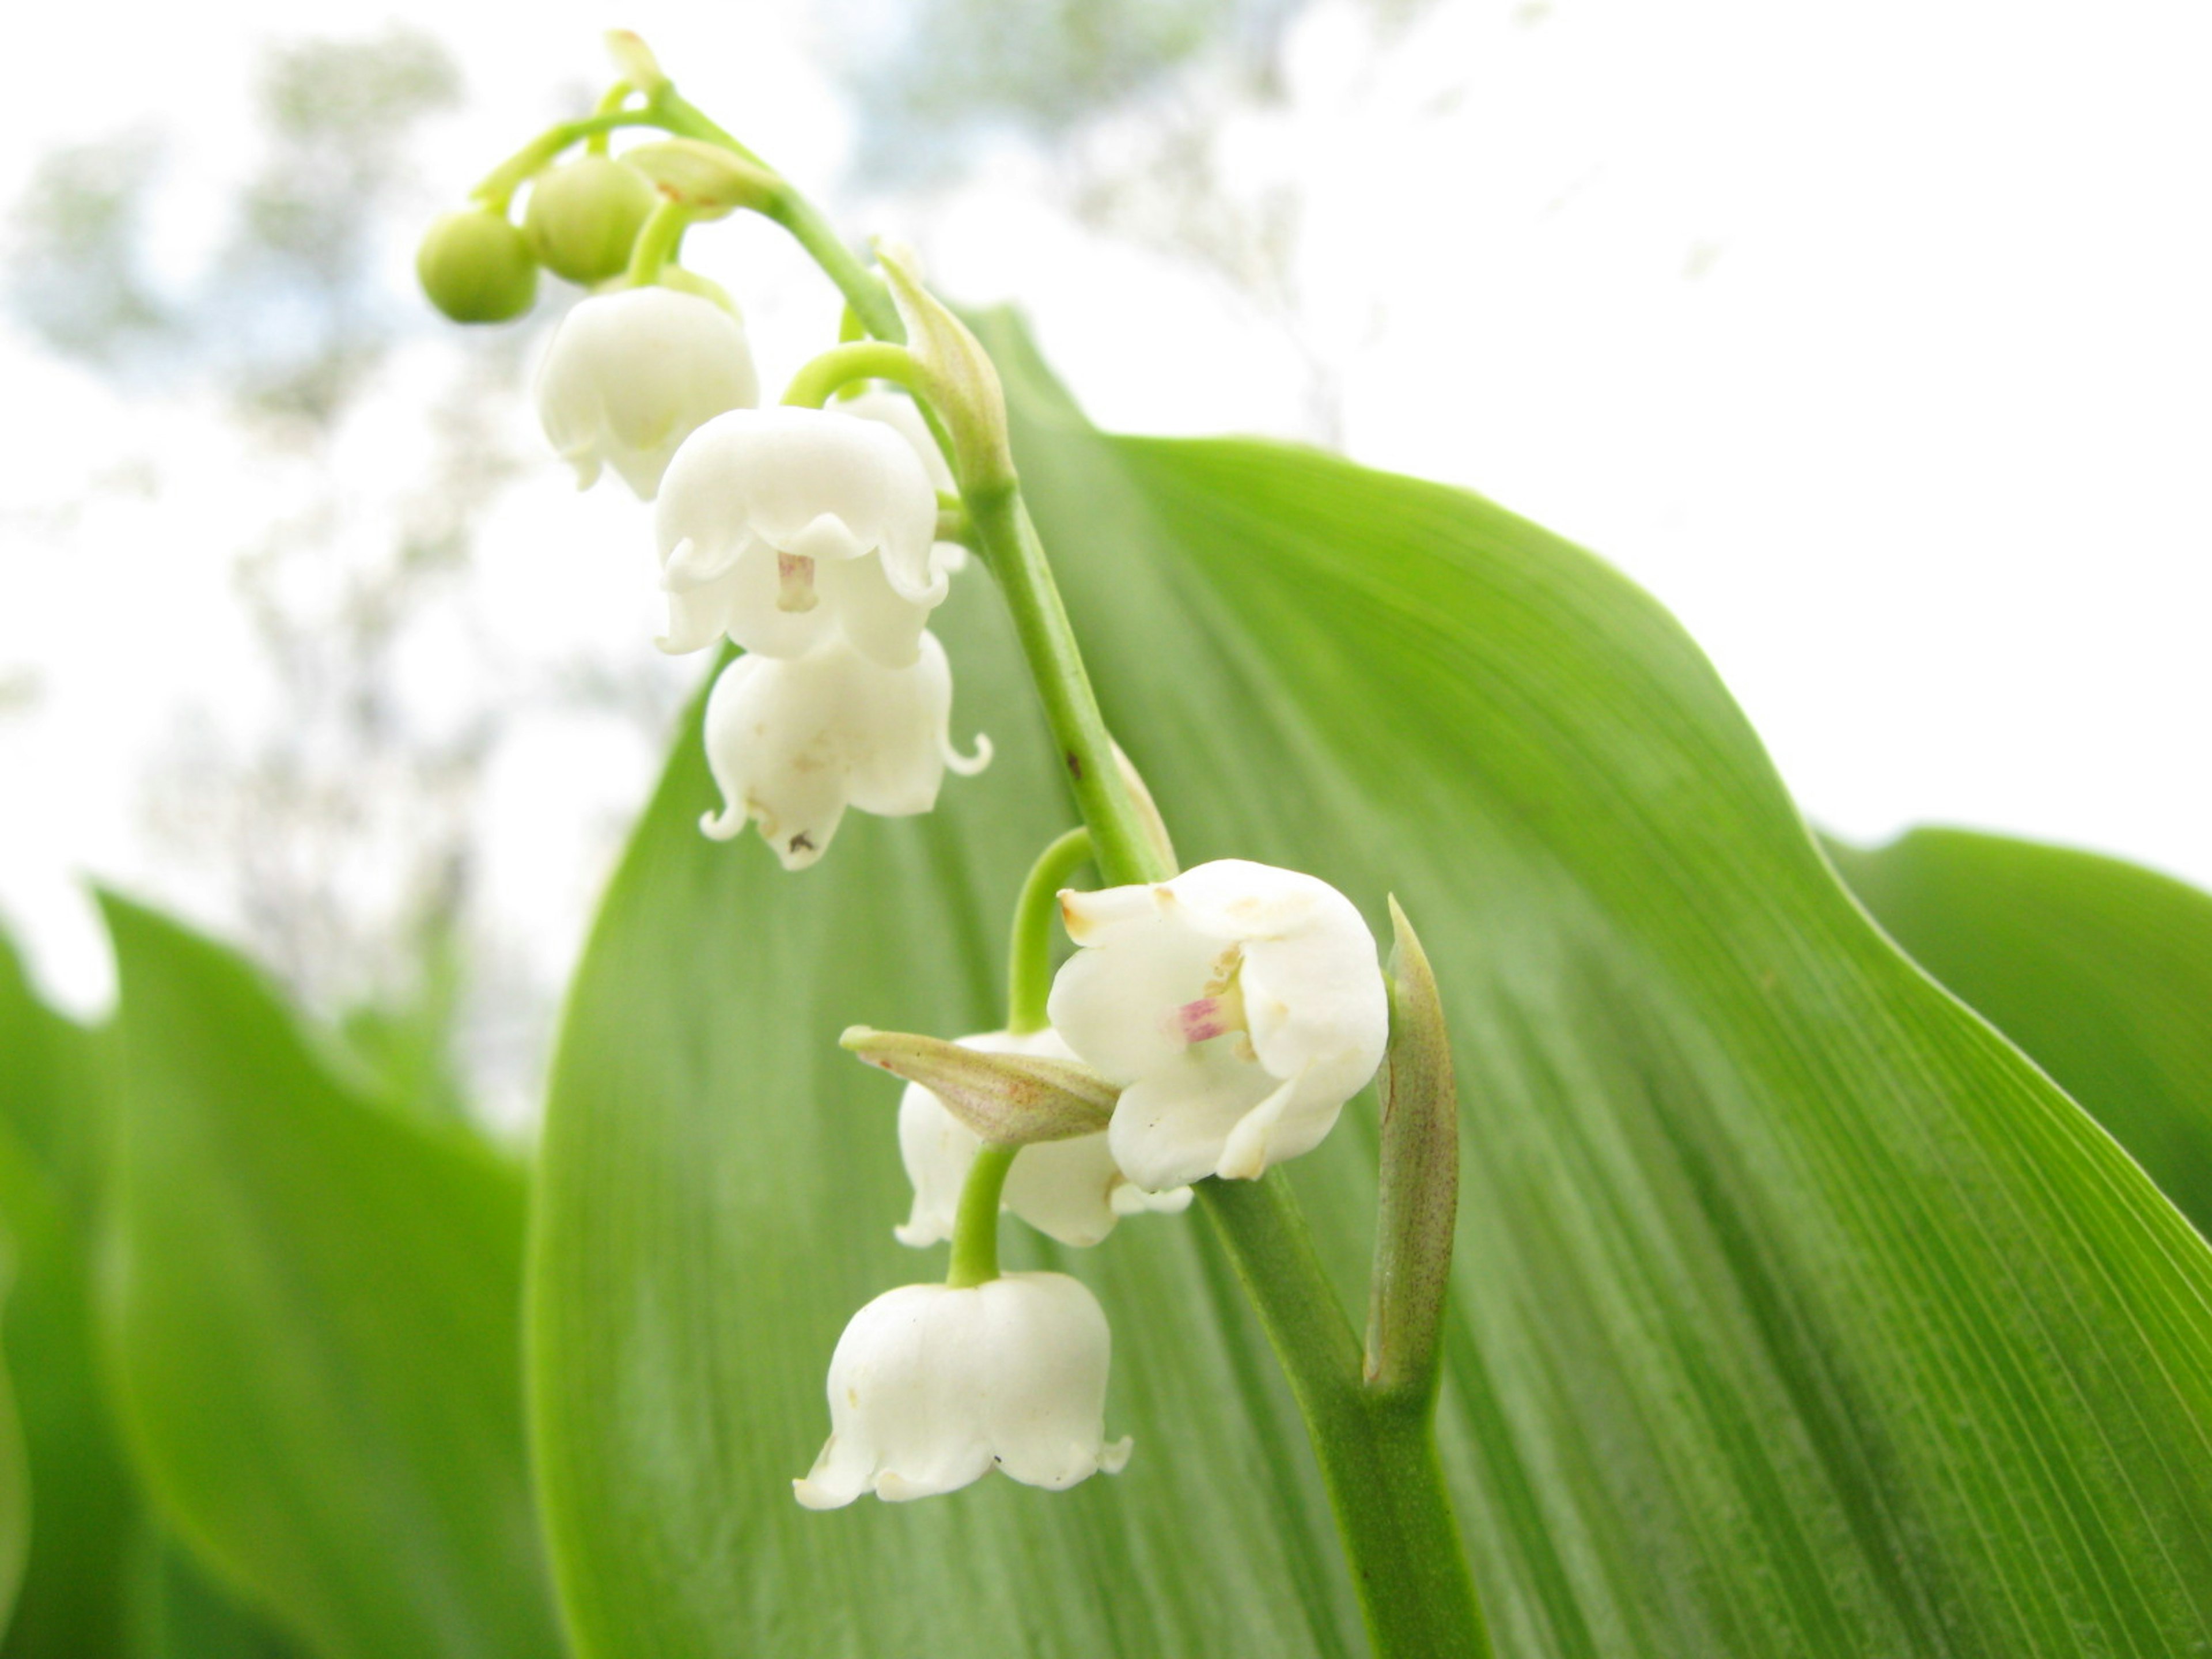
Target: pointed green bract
2100 969
1794 1312
314 1323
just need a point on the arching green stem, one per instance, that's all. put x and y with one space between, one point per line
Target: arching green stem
1009 541
822 377
609 104
657 242
863 291
1376 1447
1028 957
975 1226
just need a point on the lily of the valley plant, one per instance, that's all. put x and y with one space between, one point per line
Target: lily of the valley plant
1211 1023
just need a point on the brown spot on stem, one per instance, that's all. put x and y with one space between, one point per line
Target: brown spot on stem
1075 766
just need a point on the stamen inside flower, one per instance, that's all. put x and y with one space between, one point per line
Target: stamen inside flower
795 582
1219 1007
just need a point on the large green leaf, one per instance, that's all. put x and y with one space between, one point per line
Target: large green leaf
2101 970
15 1472
315 1323
103 1580
1795 1312
52 1130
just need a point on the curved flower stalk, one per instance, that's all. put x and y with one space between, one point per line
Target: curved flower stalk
931 1387
1070 1190
629 376
788 528
792 742
1240 1005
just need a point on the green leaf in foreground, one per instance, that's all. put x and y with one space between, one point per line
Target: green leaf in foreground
1794 1312
2100 969
90 1589
315 1323
15 1476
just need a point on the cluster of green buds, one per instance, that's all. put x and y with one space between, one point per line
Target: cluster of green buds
581 218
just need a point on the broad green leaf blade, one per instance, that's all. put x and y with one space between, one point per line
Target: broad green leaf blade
315 1323
72 1472
1795 1312
15 1476
90 1589
2100 969
171 1611
52 1124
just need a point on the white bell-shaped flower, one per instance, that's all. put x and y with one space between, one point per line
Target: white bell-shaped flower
793 741
1070 1190
1240 1005
785 528
930 1386
630 375
897 411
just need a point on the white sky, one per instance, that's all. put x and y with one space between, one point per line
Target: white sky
1875 340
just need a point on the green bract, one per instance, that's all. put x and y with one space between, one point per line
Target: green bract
477 267
583 218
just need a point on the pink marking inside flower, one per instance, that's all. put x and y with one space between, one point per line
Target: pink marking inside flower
794 575
1203 1019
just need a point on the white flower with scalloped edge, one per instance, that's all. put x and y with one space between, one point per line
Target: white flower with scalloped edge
793 741
784 528
1072 1189
629 376
1239 1005
932 1387
899 412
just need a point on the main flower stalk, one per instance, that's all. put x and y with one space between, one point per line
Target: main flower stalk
1376 1448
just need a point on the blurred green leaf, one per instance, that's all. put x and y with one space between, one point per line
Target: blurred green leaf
2100 969
88 1590
14 1473
315 1323
85 1504
1795 1312
171 1611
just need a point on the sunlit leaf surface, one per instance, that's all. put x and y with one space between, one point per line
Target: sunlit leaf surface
2101 970
1795 1312
315 1323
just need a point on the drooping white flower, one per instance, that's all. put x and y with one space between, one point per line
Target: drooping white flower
1240 1005
785 528
930 1386
793 741
629 376
897 411
1070 1190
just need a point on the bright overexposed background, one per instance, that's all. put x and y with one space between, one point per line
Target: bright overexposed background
1876 341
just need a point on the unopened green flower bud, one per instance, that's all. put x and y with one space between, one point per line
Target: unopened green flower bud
476 267
584 217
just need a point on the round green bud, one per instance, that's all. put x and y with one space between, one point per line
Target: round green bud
476 267
583 218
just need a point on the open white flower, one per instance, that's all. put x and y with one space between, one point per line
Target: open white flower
897 411
629 376
785 528
795 741
930 1386
1070 1190
1240 1005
